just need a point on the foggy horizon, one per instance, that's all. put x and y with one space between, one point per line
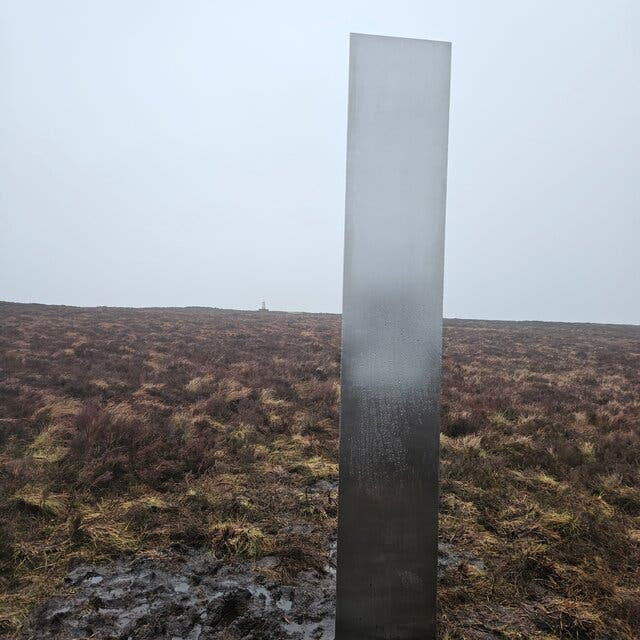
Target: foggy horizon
297 311
159 155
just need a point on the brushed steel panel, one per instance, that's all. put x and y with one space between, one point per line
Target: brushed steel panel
392 337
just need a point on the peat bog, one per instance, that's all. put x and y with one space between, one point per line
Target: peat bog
127 435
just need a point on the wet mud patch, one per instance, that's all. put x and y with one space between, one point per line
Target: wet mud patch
187 594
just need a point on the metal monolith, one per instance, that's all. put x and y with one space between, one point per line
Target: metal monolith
392 338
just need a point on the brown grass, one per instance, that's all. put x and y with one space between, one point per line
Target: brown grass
128 430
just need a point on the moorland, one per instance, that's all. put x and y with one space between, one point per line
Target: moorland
126 431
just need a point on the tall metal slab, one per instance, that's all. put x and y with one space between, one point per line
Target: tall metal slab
392 338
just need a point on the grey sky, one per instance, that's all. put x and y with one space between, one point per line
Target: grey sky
192 153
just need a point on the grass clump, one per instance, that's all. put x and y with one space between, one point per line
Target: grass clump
233 539
38 499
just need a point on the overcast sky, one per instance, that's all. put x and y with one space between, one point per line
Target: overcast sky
193 153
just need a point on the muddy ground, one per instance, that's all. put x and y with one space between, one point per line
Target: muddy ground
186 594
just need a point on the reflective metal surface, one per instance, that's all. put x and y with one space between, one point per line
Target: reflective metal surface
392 338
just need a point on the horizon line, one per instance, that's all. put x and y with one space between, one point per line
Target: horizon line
326 313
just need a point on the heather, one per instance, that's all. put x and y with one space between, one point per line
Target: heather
128 431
